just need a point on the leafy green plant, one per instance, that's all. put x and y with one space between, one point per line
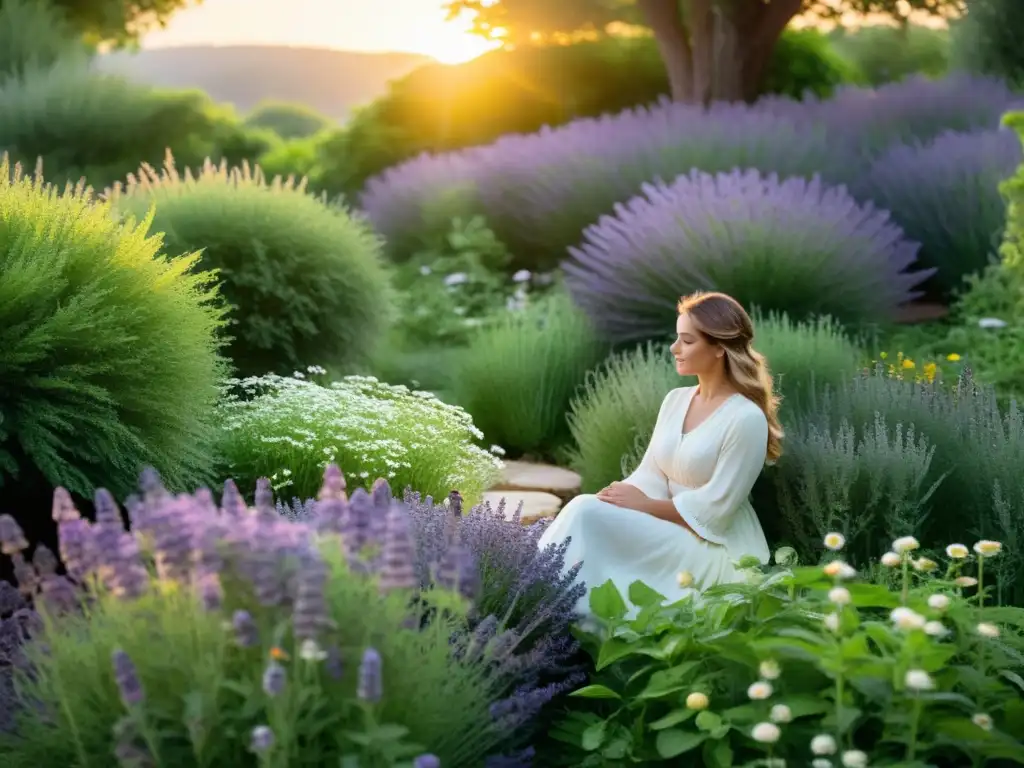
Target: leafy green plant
806 665
984 39
518 375
289 121
305 281
885 54
289 429
612 419
101 334
82 124
34 34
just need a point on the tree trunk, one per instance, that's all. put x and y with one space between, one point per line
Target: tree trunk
673 42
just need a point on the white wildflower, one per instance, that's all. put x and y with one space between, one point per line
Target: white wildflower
697 700
456 278
966 581
839 595
310 651
918 680
823 744
837 569
987 548
770 669
832 622
987 629
935 629
924 565
521 276
766 733
781 714
957 551
821 762
835 541
891 560
938 602
684 579
983 721
425 270
786 556
760 690
854 758
905 544
991 323
906 619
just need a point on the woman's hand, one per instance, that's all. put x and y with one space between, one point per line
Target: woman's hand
624 495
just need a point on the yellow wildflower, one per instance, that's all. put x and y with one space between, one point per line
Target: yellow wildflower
909 364
884 355
929 371
953 358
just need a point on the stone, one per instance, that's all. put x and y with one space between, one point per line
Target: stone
529 476
537 505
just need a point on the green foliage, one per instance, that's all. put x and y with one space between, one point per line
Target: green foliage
987 39
289 429
34 34
884 53
297 157
749 671
612 419
439 108
108 359
117 21
880 452
518 375
305 281
81 124
289 121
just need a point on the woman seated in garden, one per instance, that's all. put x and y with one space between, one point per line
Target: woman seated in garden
684 516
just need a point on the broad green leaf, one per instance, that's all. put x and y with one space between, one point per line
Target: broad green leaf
873 595
1013 677
668 681
593 737
962 732
611 651
803 705
718 754
595 692
675 741
606 602
708 721
675 717
642 596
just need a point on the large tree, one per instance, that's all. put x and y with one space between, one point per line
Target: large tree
117 21
712 49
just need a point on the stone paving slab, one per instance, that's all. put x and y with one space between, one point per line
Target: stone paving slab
529 476
536 504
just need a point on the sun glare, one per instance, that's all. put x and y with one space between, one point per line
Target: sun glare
452 43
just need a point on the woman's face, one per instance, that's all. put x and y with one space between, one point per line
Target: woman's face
695 355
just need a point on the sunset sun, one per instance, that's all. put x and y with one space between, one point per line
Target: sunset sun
452 42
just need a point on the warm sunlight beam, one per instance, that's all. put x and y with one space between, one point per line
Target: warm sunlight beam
452 43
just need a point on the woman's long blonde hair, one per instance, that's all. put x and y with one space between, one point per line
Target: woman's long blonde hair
723 322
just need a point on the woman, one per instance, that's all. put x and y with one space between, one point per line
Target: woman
684 516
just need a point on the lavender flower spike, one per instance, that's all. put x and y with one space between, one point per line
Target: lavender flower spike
399 553
274 679
427 761
12 538
127 679
246 632
371 684
261 739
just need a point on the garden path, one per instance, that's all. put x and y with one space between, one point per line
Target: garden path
542 489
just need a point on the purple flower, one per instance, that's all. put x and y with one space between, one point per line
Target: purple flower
311 614
737 232
76 550
427 761
333 663
264 499
12 538
127 679
261 739
246 633
397 567
211 592
274 679
371 684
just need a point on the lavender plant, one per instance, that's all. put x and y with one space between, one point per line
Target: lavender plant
231 636
290 428
790 245
945 195
808 666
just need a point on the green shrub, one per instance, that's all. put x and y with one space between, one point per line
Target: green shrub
102 127
108 359
439 107
612 419
289 121
518 375
34 34
297 157
987 39
289 429
305 281
884 54
798 666
856 462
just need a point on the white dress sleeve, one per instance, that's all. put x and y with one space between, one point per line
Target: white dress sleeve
709 509
648 476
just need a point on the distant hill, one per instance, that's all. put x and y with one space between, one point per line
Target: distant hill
330 81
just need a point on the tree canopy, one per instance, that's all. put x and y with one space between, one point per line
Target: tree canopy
117 21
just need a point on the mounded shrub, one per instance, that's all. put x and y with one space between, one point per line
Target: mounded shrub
305 281
289 428
289 121
613 417
793 246
945 195
439 108
108 355
301 643
518 375
880 453
885 54
83 124
538 192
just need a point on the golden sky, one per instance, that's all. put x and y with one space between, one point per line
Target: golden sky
416 26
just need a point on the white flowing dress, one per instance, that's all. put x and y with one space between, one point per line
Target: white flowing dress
707 473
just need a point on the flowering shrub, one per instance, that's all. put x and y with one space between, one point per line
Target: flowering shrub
612 418
75 288
518 375
539 191
882 453
210 632
809 666
793 246
945 195
289 429
305 281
